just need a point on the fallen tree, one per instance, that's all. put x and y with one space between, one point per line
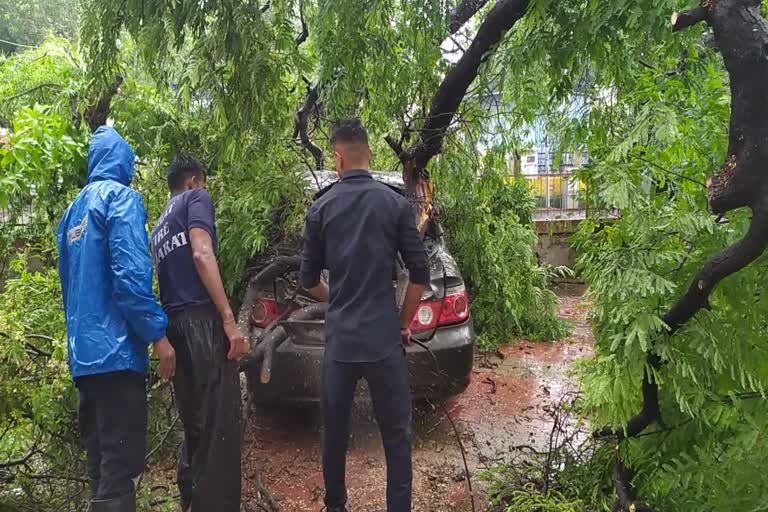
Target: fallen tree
741 34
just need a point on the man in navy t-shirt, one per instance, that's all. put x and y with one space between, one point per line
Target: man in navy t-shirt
202 329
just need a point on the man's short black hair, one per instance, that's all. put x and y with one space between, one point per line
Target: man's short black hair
349 131
182 166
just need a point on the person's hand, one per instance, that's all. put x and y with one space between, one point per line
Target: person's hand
238 347
405 335
167 356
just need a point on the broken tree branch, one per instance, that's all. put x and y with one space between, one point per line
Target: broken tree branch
454 86
279 266
301 125
741 34
462 13
264 352
685 19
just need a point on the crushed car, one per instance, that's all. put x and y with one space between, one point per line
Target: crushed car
286 326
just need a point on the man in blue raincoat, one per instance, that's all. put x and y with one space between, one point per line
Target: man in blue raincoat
112 317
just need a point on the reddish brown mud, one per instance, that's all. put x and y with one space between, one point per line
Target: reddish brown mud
506 407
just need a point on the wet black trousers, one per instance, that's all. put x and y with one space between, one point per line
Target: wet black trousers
112 415
207 388
391 396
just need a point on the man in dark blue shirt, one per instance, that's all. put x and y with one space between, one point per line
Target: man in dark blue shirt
355 230
202 329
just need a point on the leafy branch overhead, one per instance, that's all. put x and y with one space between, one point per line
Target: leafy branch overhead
453 88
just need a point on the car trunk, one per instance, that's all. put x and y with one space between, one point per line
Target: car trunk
274 310
444 276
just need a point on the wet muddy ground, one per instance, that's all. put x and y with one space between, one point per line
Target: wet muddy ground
506 408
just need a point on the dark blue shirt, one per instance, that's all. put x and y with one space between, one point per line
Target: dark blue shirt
355 230
180 285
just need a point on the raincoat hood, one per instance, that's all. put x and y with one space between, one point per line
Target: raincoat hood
110 157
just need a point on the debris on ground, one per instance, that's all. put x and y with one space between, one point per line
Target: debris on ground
505 411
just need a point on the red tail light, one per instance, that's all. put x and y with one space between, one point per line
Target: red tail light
452 309
264 312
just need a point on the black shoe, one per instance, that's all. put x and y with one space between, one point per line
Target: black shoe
125 503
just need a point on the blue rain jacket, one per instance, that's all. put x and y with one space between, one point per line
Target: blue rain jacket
105 268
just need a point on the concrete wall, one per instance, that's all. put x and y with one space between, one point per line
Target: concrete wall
554 243
555 250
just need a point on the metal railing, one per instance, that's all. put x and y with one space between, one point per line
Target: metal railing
549 162
21 219
558 191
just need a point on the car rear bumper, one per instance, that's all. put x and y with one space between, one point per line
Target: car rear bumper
296 369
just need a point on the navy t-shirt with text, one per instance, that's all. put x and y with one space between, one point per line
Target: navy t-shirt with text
180 286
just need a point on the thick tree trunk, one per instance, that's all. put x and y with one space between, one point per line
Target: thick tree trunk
741 33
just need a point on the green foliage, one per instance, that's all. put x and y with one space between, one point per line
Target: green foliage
652 153
43 159
270 205
228 56
37 400
571 476
490 232
388 60
47 75
25 23
536 502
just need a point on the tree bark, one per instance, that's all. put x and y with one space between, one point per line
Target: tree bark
462 13
301 126
96 114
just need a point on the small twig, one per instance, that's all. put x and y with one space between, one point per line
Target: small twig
164 438
54 477
40 337
463 456
17 44
304 29
37 352
23 461
664 169
30 91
